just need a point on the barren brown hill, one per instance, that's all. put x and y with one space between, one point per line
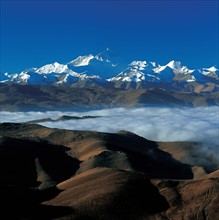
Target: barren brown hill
29 98
62 174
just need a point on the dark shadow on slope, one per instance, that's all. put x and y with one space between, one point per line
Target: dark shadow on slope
22 202
158 97
17 161
140 197
20 196
134 198
35 213
145 156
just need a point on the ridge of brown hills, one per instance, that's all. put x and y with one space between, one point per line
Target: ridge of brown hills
73 175
15 97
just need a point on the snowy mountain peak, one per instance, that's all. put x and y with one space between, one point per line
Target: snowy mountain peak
138 65
107 55
52 68
174 64
24 76
100 58
106 66
211 69
159 69
82 60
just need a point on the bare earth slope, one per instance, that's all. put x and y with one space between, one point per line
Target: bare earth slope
31 98
62 174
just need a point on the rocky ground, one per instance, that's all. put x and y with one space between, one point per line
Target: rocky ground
65 174
15 97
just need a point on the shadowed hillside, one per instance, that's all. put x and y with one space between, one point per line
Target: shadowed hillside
64 174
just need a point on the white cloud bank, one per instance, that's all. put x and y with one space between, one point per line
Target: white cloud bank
160 124
199 124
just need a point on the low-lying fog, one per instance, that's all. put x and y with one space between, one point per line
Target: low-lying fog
199 124
160 124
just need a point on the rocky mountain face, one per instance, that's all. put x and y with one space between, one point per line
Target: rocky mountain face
105 81
65 174
107 70
15 97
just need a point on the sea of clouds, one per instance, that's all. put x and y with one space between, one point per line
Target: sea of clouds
199 124
160 124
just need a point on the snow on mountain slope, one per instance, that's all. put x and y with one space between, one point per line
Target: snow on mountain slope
101 65
108 56
129 75
192 79
67 78
104 56
205 75
106 66
175 66
136 71
81 60
210 71
52 68
138 65
151 72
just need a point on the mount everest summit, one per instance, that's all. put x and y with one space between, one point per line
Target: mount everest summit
105 68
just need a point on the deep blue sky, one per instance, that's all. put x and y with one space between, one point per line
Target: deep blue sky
34 33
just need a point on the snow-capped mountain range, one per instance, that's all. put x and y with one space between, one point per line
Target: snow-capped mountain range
105 67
